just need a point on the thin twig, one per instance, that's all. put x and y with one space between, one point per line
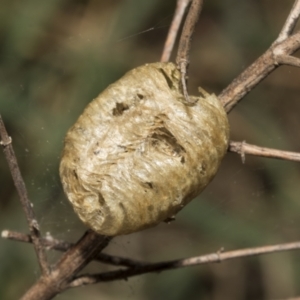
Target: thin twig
290 22
9 153
59 245
243 148
174 264
173 31
182 58
49 242
187 32
288 60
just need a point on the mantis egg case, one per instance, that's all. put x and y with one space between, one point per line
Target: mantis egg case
138 154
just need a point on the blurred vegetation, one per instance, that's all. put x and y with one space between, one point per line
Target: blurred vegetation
56 56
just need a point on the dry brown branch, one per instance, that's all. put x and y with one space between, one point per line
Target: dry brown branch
137 267
288 60
187 31
182 58
256 72
290 22
243 148
77 256
34 228
72 262
174 28
181 263
50 243
284 45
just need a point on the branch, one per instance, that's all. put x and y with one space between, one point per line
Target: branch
34 228
182 58
243 148
72 262
290 22
181 263
288 60
284 45
187 31
256 72
138 268
63 246
49 242
173 31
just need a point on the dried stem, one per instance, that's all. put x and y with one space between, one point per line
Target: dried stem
243 148
181 263
173 31
137 267
63 246
187 32
256 72
285 45
288 60
72 262
290 22
34 228
182 58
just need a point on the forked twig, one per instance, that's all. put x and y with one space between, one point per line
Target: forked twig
71 262
284 45
34 228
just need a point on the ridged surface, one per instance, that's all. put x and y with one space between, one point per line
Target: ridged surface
138 154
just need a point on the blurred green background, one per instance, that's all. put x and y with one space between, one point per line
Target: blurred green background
56 56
